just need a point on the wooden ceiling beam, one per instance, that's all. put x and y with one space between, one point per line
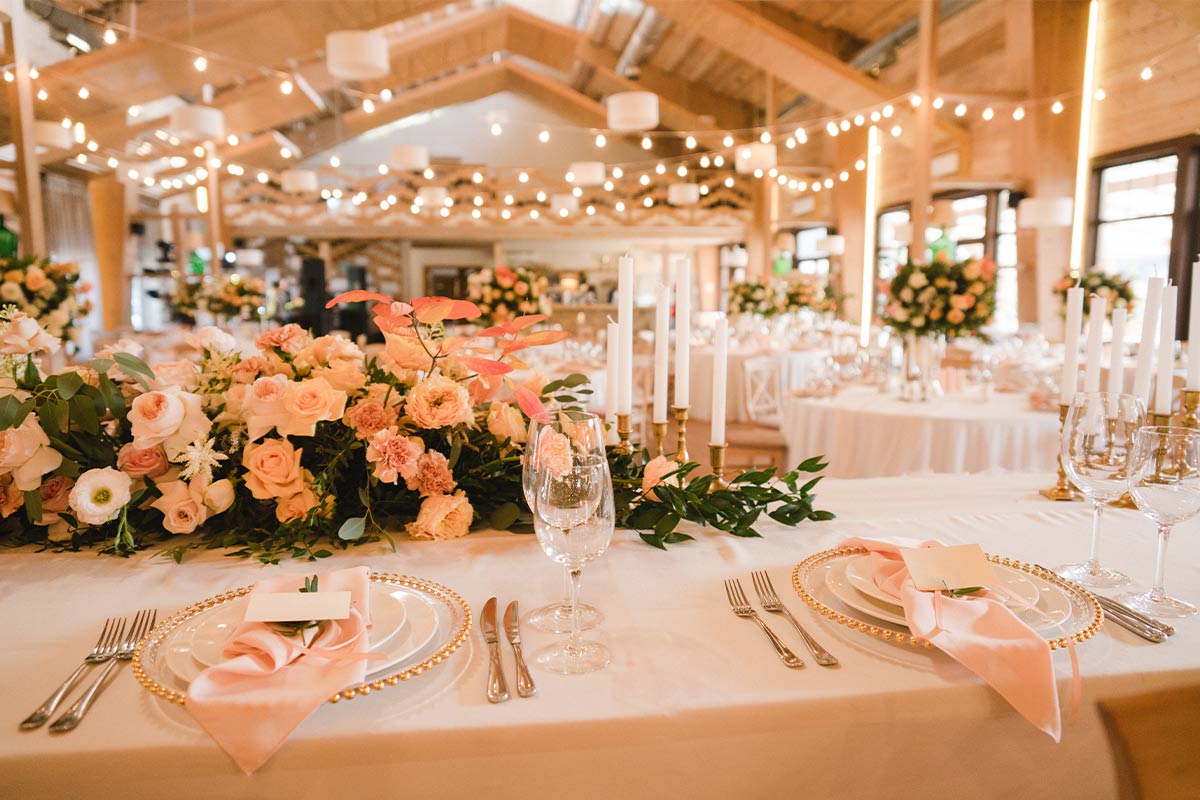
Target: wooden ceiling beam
555 94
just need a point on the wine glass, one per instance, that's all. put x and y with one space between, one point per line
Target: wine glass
573 517
1164 481
1096 438
556 617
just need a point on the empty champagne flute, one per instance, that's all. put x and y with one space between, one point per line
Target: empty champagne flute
573 517
556 617
1164 481
1096 439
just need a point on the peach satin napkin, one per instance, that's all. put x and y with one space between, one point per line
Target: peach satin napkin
979 632
251 702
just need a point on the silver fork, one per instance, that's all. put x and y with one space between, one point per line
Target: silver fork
771 602
142 622
741 607
105 649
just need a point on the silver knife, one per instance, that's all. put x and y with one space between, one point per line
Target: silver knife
1110 604
512 627
1133 625
497 689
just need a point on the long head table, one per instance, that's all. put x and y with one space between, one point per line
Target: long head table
694 703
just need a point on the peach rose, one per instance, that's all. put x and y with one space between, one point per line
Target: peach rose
345 375
325 350
25 452
35 278
404 351
273 468
218 496
955 317
182 506
11 498
56 494
262 405
24 336
553 452
308 402
290 338
442 516
393 455
138 464
369 415
505 277
297 506
656 469
183 374
535 383
170 417
433 475
505 421
438 402
248 369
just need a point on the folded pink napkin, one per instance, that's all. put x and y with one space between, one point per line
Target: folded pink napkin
977 631
250 703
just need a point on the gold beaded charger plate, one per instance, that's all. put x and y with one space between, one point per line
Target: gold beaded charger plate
154 662
809 579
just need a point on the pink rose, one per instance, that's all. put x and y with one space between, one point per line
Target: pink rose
262 405
345 375
962 301
297 506
183 374
291 338
170 417
505 421
247 370
308 402
369 415
656 468
505 277
137 464
438 402
273 468
404 351
24 336
442 516
35 279
182 507
954 316
393 455
553 453
433 475
25 452
56 494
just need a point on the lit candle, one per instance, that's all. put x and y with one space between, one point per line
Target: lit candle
662 336
1193 350
683 331
625 334
1095 344
611 367
719 390
1163 389
1116 358
1145 356
1070 373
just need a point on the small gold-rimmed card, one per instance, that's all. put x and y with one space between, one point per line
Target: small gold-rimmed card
297 606
949 569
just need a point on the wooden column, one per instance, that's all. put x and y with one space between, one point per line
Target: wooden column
848 199
1018 38
213 185
110 231
29 185
923 136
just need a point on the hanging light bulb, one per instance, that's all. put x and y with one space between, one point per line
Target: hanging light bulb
368 105
660 168
1057 107
496 129
33 73
600 140
801 185
506 214
428 173
727 141
790 143
690 142
286 86
386 95
876 116
1018 113
829 183
608 186
477 177
648 202
843 176
134 111
704 162
914 100
888 110
960 110
263 177
445 212
523 177
988 113
81 158
577 192
620 205
66 123
704 188
544 136
42 94
1147 73
860 165
801 136
569 177
718 161
232 139
772 172
335 161
383 169
682 171
591 210
478 200
84 94
832 129
938 102
618 172
644 180
844 124
646 143
475 213
8 76
758 173
729 182
859 120
113 163
201 63
110 36
1100 94
509 200
897 130
765 137
533 213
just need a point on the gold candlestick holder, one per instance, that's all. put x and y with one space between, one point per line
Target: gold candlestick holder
623 432
716 458
659 430
1160 420
681 453
1189 415
1063 490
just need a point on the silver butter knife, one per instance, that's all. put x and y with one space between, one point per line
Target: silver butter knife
512 628
1109 605
497 689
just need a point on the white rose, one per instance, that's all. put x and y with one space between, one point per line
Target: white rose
212 339
26 453
24 336
170 417
11 292
219 496
183 374
99 495
504 421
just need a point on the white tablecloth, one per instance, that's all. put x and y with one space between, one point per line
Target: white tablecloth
796 369
867 434
694 704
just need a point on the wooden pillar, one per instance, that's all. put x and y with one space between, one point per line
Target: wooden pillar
178 233
29 185
923 136
212 185
848 200
707 275
110 231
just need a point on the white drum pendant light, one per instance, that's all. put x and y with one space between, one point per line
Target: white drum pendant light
197 123
632 111
410 157
683 194
755 156
588 173
298 181
356 55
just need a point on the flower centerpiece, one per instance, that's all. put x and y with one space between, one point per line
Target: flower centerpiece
502 294
238 296
48 292
1113 288
805 292
753 298
184 300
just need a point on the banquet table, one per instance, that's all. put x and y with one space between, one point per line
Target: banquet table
694 703
796 369
868 434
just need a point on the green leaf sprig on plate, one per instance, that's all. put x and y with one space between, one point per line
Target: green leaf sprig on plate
297 628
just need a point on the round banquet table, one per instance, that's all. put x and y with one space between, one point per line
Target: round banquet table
796 369
867 434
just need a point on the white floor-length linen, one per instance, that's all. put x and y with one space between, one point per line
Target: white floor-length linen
796 369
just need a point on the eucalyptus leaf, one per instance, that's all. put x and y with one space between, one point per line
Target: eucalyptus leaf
353 528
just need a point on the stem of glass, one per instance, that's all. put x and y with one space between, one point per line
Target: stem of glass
573 644
1158 591
1093 563
566 603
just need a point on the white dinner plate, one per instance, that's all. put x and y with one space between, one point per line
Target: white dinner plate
1023 590
418 627
1052 609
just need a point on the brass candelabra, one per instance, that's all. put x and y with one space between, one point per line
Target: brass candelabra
716 458
659 430
1189 415
1062 490
623 432
681 415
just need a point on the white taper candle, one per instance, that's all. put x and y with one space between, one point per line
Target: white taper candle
720 389
662 344
683 331
1163 388
1193 333
1145 357
1070 373
625 325
1116 356
1097 311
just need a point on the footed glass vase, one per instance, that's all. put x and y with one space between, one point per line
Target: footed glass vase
922 362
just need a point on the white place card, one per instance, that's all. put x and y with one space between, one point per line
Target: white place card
297 606
951 568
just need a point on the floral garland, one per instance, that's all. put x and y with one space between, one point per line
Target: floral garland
1113 288
503 294
753 297
48 292
236 297
943 297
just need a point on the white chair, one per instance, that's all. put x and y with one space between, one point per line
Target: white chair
763 390
760 441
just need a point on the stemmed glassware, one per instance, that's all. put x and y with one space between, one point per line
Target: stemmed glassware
557 617
573 514
1164 481
1097 436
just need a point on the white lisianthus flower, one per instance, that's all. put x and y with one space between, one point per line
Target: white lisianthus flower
99 495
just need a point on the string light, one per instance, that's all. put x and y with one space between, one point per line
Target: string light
523 177
718 161
888 111
600 140
988 113
682 171
386 95
648 202
286 86
644 180
608 186
843 176
66 123
201 63
960 110
765 137
660 168
1100 94
509 200
1018 113
704 188
428 173
618 172
591 210
83 93
262 177
914 100
832 129
8 76
844 124
285 152
859 120
134 111
729 183
897 130
1147 73
478 200
42 94
646 143
727 141
544 136
533 213
620 206
445 212
81 158
938 102
368 105
383 169
690 142
335 161
198 152
790 143
577 192
33 73
829 183
569 177
562 212
497 129
860 165
758 173
113 163
110 36
801 135
506 214
876 116
475 214
1057 108
477 177
232 139
704 162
